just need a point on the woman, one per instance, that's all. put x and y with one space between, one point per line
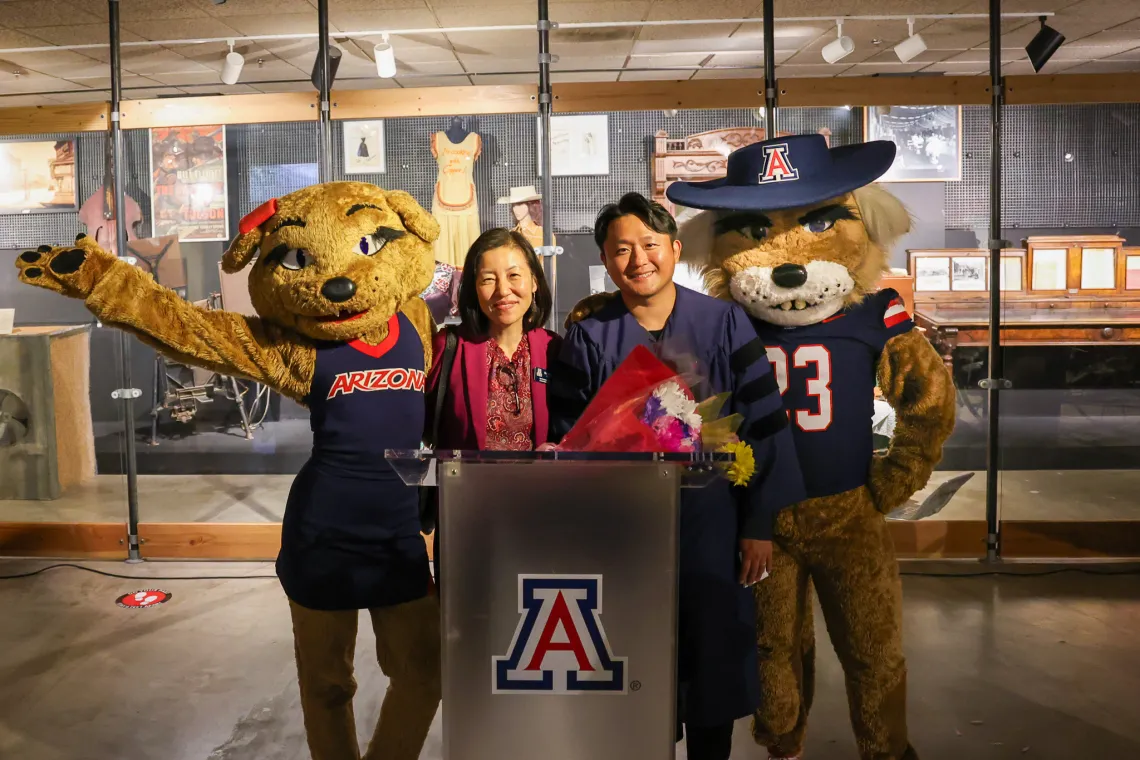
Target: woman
494 397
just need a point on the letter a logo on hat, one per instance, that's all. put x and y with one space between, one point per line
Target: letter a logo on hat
777 167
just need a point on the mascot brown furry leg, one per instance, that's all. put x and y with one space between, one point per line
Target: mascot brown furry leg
798 236
336 270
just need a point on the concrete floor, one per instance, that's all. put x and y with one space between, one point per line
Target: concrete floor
1025 495
1044 668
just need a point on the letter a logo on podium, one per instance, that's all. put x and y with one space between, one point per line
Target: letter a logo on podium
560 645
777 166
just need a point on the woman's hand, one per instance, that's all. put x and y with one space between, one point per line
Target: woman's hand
546 447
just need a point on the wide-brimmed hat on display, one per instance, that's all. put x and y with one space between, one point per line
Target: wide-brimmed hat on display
521 195
787 172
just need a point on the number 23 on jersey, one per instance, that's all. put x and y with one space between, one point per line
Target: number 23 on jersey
817 359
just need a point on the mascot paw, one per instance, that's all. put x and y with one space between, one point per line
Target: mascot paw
70 270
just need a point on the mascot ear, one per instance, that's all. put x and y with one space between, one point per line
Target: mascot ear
244 246
696 235
413 215
884 215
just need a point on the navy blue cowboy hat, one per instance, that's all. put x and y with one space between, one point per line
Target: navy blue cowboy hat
787 172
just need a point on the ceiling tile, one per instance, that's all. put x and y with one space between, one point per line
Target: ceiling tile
61 63
654 76
729 74
270 8
492 79
424 82
870 69
286 87
787 8
93 96
10 38
666 60
958 68
371 21
84 34
286 23
820 69
497 64
28 14
373 5
219 89
1105 67
21 101
670 11
186 28
104 82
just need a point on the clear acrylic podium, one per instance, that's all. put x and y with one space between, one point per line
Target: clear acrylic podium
559 596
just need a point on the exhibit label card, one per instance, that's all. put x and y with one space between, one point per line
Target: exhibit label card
188 183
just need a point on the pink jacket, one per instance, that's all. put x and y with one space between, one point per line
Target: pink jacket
464 421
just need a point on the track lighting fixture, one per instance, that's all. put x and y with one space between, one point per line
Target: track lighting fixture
1041 48
385 59
231 69
334 64
912 45
839 48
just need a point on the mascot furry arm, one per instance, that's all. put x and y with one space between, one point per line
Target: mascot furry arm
378 241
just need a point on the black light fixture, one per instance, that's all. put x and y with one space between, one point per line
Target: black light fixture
334 64
1043 45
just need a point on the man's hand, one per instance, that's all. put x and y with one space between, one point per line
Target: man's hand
755 560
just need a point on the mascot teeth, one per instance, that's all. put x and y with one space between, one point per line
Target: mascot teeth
823 293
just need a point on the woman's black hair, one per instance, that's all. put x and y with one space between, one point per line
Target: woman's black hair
652 214
474 322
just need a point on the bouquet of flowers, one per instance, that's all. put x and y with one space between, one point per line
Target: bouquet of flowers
647 406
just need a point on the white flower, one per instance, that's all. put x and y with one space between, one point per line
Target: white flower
674 401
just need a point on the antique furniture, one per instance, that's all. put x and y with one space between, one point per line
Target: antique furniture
1072 290
698 157
49 444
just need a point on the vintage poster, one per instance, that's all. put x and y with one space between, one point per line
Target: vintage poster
188 183
928 139
364 147
37 176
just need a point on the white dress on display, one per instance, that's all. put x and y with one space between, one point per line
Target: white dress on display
455 204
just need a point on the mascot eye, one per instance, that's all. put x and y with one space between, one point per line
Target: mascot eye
370 244
296 258
819 225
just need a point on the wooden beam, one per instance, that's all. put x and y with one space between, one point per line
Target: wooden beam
1040 539
944 539
883 91
579 97
434 101
1073 88
70 540
220 109
236 541
37 120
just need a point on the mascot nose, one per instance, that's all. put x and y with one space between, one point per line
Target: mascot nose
338 289
789 275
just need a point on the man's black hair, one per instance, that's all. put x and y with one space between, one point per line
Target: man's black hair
651 213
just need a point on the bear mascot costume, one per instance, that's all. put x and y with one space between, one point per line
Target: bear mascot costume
798 235
335 273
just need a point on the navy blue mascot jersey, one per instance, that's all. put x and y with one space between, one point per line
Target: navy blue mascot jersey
351 532
827 374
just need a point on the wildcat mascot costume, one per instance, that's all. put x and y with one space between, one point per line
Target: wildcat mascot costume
798 236
335 273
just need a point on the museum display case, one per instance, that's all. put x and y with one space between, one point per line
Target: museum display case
209 458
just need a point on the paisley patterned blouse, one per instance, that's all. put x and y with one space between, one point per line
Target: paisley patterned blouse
510 413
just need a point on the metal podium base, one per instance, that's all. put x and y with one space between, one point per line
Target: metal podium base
559 609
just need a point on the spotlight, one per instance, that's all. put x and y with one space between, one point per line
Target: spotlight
334 64
1041 48
385 59
839 48
912 45
231 69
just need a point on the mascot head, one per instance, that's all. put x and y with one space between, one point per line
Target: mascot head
337 260
795 231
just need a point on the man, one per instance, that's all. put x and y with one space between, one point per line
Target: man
725 531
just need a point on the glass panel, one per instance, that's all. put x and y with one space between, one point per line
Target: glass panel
1098 268
61 448
1132 273
1068 445
1011 267
1050 266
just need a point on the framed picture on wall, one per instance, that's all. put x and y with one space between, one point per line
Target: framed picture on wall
580 145
188 189
928 140
364 147
37 176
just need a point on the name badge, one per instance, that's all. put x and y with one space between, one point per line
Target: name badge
541 375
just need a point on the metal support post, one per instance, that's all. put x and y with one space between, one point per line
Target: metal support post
545 106
118 181
324 123
994 383
770 130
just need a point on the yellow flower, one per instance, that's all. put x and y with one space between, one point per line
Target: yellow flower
739 471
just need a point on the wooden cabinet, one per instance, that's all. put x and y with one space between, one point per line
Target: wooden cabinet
1056 291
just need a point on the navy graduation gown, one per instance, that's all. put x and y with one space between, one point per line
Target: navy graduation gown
718 679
